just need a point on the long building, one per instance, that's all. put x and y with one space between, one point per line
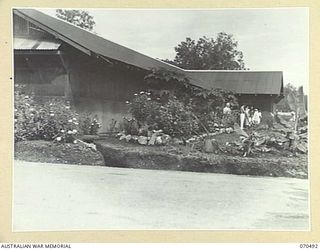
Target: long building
57 59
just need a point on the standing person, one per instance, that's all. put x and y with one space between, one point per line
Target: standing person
251 112
227 110
242 116
247 116
260 116
256 118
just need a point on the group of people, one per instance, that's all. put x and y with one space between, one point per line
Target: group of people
249 116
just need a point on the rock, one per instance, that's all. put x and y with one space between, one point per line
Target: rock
177 141
128 138
222 130
122 137
158 140
143 140
165 139
135 138
208 146
191 140
119 134
158 131
229 130
152 139
301 148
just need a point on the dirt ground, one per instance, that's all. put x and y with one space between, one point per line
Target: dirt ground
121 154
114 153
50 152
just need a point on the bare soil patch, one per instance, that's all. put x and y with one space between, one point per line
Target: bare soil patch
122 154
50 152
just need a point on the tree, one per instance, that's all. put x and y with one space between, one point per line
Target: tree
80 18
209 54
283 104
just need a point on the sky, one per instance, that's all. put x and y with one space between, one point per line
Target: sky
270 39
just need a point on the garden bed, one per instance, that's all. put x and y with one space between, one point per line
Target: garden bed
50 152
121 154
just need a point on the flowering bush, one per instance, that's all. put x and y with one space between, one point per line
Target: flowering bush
173 117
177 119
24 108
53 120
144 108
89 125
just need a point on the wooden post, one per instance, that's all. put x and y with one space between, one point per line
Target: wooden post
67 90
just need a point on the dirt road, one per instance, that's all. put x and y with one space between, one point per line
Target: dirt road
67 197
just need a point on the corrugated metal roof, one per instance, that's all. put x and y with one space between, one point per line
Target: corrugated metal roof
242 82
69 32
34 44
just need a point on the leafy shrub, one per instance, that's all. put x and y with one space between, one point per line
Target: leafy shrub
50 120
173 117
113 126
144 109
130 126
59 121
230 120
24 108
89 125
176 119
207 105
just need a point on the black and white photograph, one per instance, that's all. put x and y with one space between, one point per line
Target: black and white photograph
160 119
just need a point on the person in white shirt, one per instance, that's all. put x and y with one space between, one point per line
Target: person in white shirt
227 109
242 116
256 118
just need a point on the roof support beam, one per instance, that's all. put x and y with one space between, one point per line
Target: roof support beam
54 33
36 52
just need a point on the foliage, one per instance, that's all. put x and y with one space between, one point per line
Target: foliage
207 101
113 126
179 108
168 83
149 112
23 114
130 126
80 18
209 53
168 76
144 109
283 104
50 120
207 105
177 119
89 125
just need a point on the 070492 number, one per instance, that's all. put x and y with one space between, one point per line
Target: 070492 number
309 246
